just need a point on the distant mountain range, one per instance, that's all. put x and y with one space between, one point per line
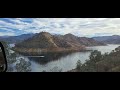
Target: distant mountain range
115 39
45 41
16 39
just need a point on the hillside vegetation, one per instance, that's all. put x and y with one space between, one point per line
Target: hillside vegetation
108 62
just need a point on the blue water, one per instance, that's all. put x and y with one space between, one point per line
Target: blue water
65 61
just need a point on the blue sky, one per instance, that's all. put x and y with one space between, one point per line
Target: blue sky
88 27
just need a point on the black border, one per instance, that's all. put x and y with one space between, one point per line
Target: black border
2 47
56 9
65 10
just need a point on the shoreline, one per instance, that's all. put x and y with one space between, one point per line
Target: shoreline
36 52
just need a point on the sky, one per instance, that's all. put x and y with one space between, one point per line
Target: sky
87 27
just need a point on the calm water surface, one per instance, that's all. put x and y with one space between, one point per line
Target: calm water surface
64 61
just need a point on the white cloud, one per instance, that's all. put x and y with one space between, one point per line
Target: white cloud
6 34
78 26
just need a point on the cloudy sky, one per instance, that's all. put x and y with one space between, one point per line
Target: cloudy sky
88 27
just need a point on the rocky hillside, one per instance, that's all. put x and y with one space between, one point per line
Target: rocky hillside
44 41
82 40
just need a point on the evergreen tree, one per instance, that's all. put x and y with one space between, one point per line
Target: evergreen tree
78 65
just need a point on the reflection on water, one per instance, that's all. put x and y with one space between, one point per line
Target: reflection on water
48 57
64 60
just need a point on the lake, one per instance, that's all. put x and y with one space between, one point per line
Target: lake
64 61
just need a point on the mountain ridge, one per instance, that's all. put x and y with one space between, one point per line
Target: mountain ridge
46 42
114 39
16 39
